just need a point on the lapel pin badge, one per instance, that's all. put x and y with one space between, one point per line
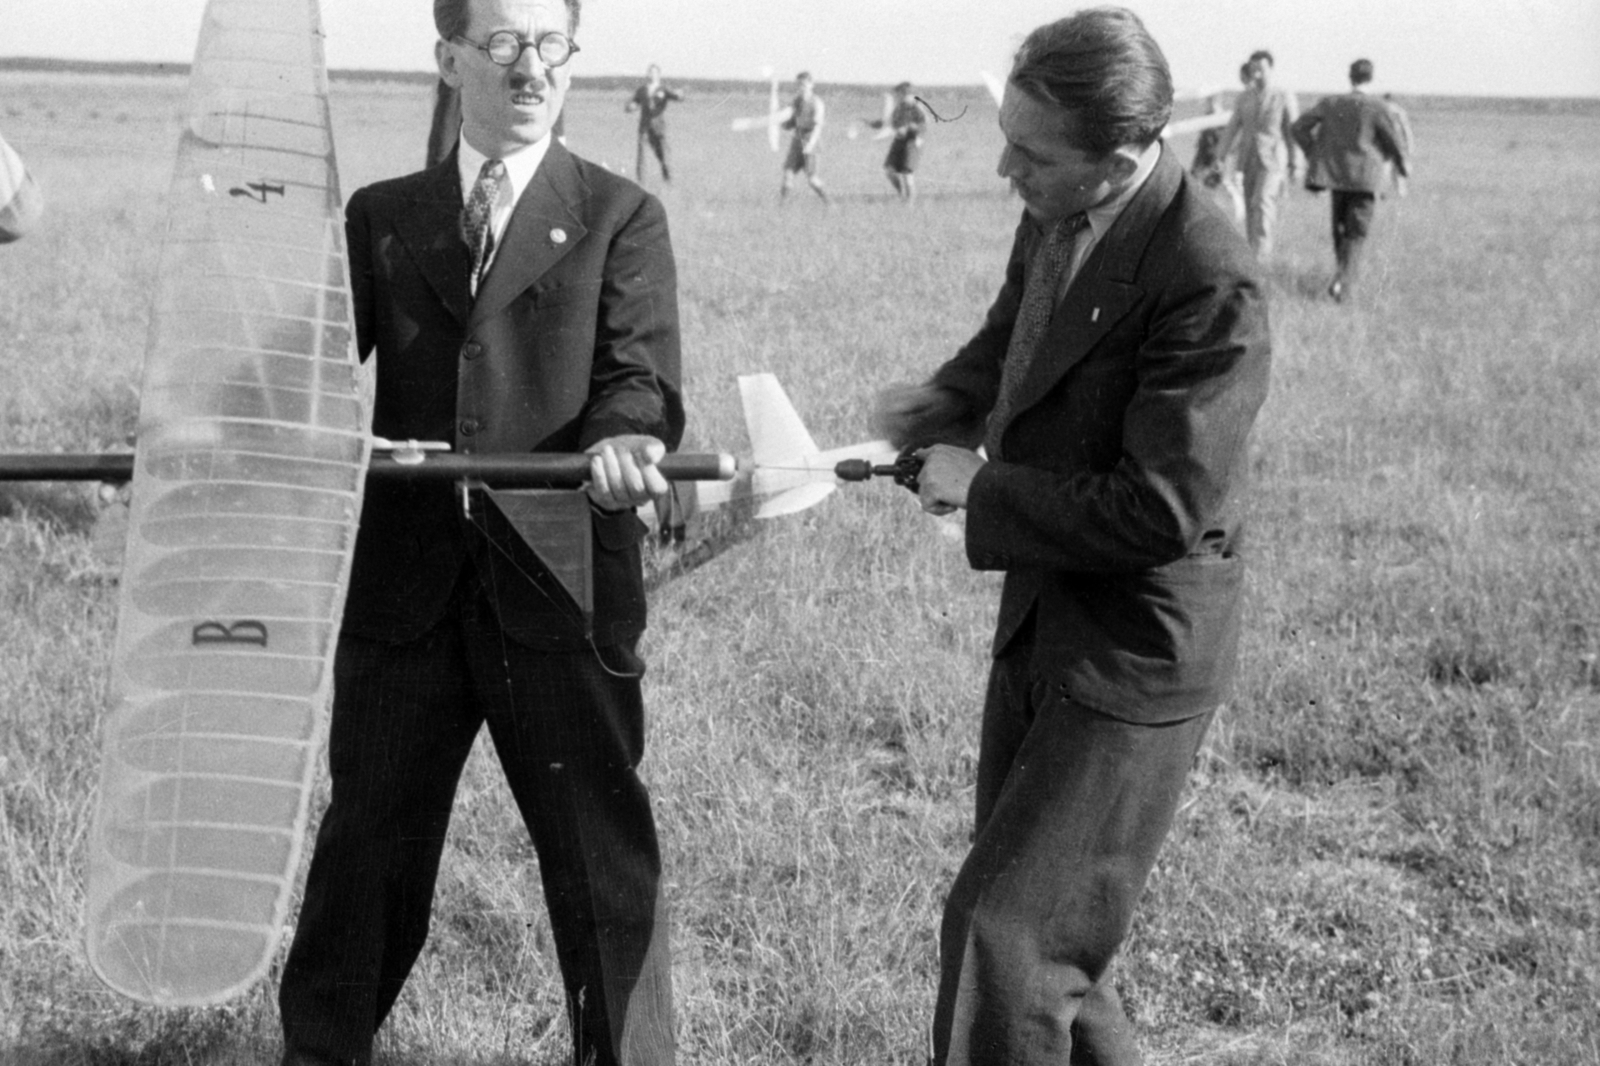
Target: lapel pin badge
558 235
1094 316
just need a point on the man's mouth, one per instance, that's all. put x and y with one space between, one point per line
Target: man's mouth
527 99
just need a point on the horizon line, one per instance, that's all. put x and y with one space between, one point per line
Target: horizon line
158 67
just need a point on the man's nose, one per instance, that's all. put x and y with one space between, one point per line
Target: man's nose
1006 159
530 66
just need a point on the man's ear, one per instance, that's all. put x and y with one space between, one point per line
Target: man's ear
445 55
1124 161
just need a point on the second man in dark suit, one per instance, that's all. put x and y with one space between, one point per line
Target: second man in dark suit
1113 384
516 298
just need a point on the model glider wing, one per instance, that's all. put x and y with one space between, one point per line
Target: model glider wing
773 120
1196 124
996 87
246 492
773 110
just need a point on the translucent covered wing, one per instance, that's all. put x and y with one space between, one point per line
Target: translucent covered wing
246 492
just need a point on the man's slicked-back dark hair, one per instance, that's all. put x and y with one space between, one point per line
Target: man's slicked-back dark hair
1102 65
451 17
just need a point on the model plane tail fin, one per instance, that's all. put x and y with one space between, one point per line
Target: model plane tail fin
789 474
777 436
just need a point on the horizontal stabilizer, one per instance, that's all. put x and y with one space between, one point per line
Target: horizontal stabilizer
793 501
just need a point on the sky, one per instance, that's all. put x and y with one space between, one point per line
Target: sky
1475 48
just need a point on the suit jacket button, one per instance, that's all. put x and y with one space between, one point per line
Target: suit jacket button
471 350
469 427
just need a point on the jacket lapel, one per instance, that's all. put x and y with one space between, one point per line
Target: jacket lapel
543 228
1104 289
431 231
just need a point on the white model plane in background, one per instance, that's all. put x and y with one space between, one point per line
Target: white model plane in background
1216 116
882 127
773 120
775 117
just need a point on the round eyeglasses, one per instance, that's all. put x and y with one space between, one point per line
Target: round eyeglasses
505 47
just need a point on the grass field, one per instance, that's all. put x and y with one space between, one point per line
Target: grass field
1390 852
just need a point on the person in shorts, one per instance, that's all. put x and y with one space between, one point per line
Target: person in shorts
905 151
805 120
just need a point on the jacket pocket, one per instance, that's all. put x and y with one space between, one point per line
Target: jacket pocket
565 294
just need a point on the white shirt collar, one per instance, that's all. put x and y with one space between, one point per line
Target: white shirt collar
521 165
1102 216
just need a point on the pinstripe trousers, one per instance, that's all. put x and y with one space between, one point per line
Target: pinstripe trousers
568 728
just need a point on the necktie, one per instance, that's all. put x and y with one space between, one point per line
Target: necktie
477 215
1038 304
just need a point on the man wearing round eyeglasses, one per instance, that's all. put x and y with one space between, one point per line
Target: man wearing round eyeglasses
518 298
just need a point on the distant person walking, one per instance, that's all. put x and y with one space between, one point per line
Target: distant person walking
651 100
20 201
1263 118
1352 142
1213 169
908 122
806 115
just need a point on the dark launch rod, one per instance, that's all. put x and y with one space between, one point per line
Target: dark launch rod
508 471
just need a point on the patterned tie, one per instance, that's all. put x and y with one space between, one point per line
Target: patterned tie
1038 304
477 215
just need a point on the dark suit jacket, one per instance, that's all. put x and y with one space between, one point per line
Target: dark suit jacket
573 338
1115 507
1350 142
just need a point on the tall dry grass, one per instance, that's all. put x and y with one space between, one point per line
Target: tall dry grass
1390 850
